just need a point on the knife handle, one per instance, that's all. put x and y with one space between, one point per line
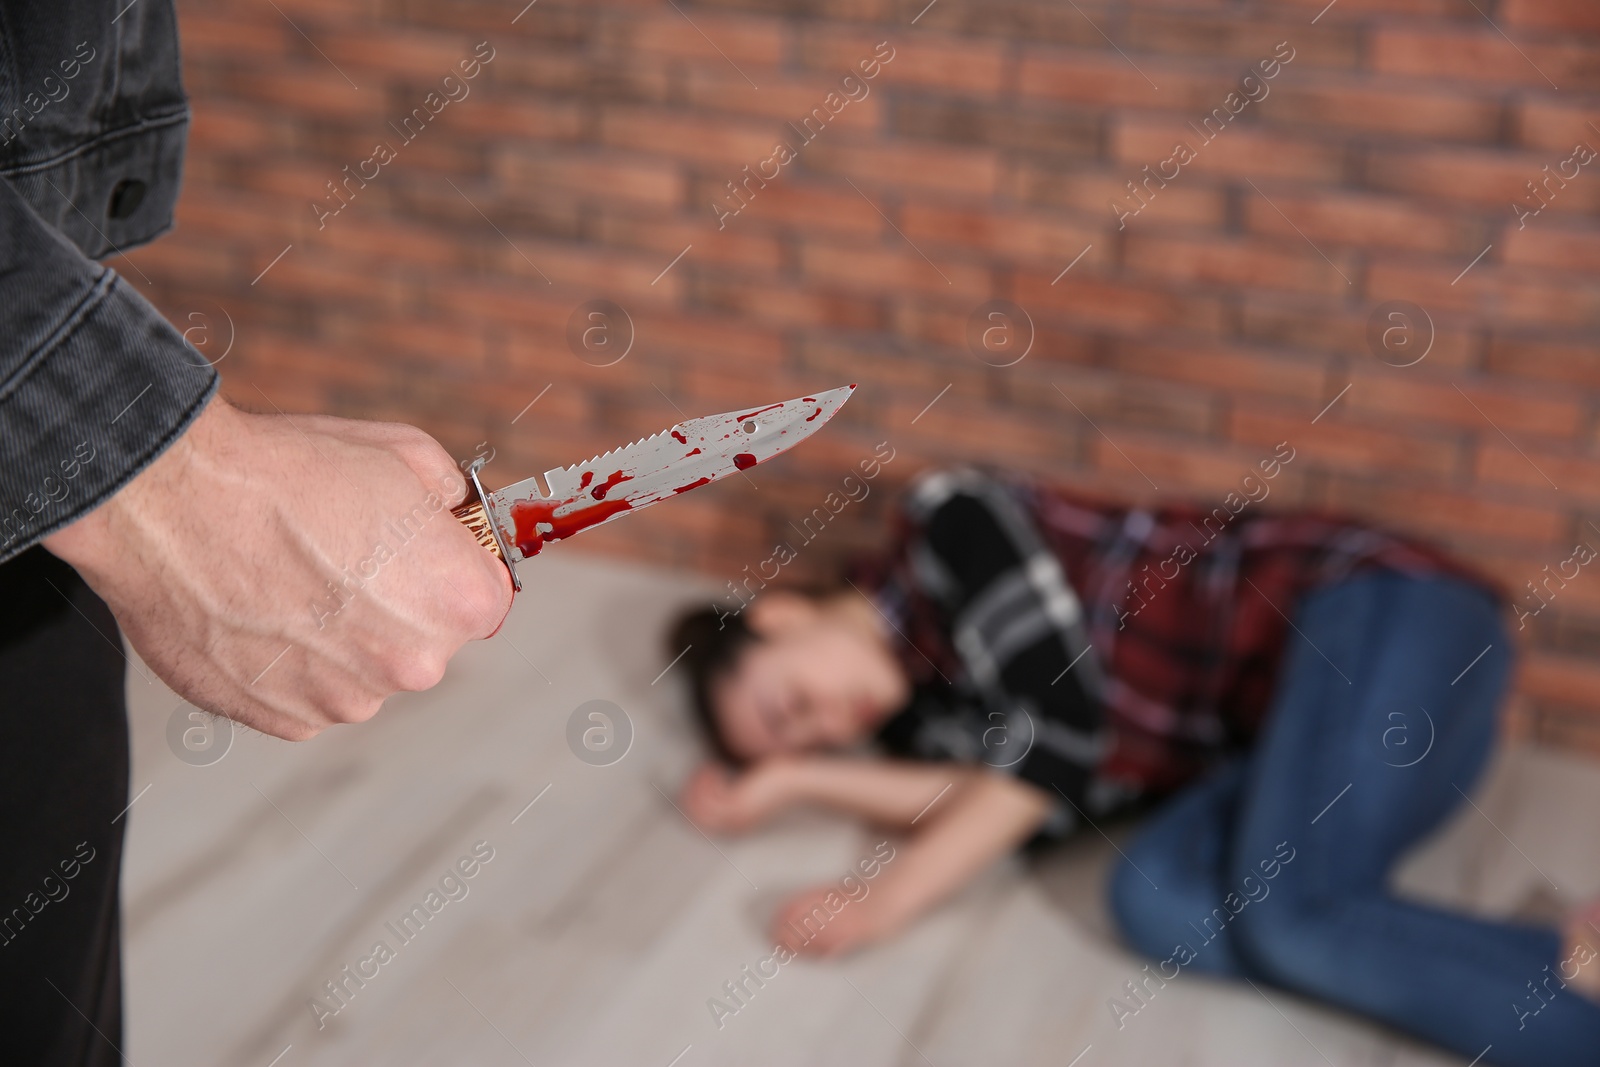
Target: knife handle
473 513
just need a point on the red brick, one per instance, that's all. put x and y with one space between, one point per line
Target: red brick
222 127
1113 400
1497 294
956 430
787 305
1120 306
388 241
569 265
697 338
795 201
1565 362
1562 679
728 39
311 88
921 59
575 74
1279 319
1515 572
1010 20
1238 151
932 325
1575 730
324 277
1333 218
1562 245
1486 407
1261 264
258 35
1352 446
1035 237
744 248
1483 57
1221 34
1092 191
602 176
783 98
855 358
1450 517
677 135
1106 78
449 347
1382 106
170 258
531 117
1553 125
967 171
1539 470
1360 10
1550 15
1237 371
309 10
1178 467
1484 178
417 58
887 268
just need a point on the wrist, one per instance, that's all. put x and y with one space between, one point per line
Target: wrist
782 778
895 902
91 544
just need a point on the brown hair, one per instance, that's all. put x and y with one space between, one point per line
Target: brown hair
711 643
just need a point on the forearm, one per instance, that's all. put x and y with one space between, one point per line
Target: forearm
888 792
990 816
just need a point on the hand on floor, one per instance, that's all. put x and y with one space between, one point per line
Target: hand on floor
726 801
1581 952
822 921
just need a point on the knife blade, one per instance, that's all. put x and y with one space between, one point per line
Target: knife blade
518 520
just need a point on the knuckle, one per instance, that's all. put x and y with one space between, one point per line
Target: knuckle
421 670
350 708
422 446
494 592
300 731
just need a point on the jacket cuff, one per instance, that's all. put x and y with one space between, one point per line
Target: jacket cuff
104 394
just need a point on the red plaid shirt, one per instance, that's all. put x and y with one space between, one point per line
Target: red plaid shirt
1186 609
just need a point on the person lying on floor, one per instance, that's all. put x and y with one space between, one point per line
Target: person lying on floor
1310 696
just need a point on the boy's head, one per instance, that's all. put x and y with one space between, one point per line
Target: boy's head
790 673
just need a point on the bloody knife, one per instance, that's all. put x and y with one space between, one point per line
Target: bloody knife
517 521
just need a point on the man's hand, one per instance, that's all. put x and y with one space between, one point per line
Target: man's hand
291 572
724 801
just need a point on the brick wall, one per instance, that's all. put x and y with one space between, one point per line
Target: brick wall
1223 307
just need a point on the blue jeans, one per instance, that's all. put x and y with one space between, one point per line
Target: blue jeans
1276 867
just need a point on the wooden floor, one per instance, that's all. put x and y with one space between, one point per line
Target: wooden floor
605 921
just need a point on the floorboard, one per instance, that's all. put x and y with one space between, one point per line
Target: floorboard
605 923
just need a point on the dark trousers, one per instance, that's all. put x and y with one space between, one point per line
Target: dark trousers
63 780
1277 868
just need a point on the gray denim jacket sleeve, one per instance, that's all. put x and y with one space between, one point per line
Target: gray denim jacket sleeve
94 383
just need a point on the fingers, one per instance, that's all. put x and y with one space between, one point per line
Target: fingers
427 459
478 591
433 465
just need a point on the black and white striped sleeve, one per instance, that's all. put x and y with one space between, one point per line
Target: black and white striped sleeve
1018 629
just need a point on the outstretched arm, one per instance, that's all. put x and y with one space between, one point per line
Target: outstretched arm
891 793
961 819
984 816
